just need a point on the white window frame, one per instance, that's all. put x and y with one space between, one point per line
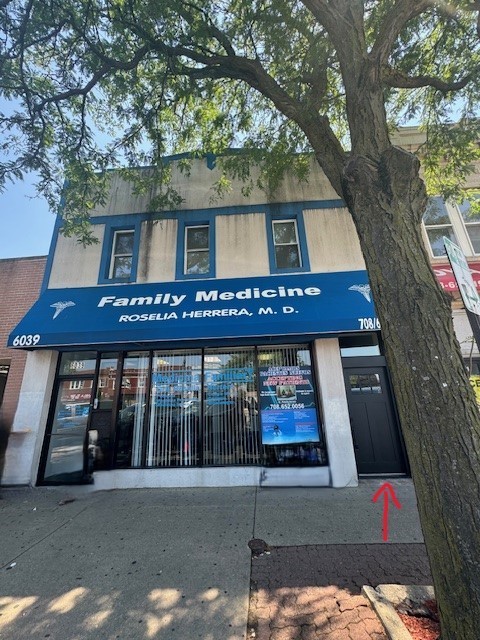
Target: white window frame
120 255
75 385
448 225
187 250
286 244
469 224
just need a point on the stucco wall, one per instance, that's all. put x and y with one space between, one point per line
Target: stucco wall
75 265
332 241
196 190
158 248
241 246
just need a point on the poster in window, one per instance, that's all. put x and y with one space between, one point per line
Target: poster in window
287 405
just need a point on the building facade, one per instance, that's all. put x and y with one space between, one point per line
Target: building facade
20 283
220 344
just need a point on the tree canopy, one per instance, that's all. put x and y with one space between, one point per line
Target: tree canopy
95 84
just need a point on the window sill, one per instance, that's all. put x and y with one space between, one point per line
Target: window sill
290 271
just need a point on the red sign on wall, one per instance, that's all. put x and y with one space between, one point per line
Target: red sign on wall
445 277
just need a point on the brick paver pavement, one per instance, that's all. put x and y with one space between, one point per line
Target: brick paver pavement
313 592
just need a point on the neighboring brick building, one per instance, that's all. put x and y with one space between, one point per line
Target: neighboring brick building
20 282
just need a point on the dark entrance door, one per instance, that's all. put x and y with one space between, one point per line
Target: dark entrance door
375 429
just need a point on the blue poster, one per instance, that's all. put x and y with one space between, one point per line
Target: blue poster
287 405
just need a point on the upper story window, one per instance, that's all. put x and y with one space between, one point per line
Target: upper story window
197 250
285 241
195 247
120 251
122 255
77 384
472 223
438 224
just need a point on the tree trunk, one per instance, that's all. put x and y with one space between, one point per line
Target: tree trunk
439 418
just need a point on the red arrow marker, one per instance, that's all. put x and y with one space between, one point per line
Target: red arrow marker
386 489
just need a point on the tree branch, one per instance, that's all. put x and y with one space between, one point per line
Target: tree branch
109 66
394 21
394 78
219 35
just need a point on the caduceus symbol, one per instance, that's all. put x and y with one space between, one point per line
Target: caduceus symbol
60 306
364 289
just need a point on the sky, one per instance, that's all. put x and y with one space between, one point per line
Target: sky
26 222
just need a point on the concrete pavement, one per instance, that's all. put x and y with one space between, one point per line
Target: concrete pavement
169 563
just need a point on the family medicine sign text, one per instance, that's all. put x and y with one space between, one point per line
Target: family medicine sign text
268 306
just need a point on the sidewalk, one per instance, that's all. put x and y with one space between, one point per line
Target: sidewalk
313 592
175 563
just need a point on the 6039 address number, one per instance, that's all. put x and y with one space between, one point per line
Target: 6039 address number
27 340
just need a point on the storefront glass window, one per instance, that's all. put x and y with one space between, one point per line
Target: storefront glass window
203 407
231 425
106 381
291 431
131 413
175 405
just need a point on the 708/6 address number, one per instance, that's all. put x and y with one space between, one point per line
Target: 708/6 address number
369 323
26 340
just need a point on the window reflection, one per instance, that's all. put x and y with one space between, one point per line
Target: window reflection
65 456
231 430
365 383
173 424
132 409
78 363
106 380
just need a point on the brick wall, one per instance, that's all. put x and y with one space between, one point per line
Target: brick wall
20 282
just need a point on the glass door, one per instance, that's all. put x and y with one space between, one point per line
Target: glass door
101 426
65 445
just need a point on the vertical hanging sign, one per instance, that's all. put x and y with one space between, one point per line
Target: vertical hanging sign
463 276
466 286
287 405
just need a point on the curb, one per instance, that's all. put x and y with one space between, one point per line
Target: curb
381 600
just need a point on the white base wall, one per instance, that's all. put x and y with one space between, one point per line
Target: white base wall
26 438
338 434
211 477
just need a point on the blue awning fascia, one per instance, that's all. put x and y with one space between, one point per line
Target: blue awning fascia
269 306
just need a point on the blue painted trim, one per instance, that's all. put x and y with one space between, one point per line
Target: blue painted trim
296 207
51 253
283 213
53 243
184 221
105 260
